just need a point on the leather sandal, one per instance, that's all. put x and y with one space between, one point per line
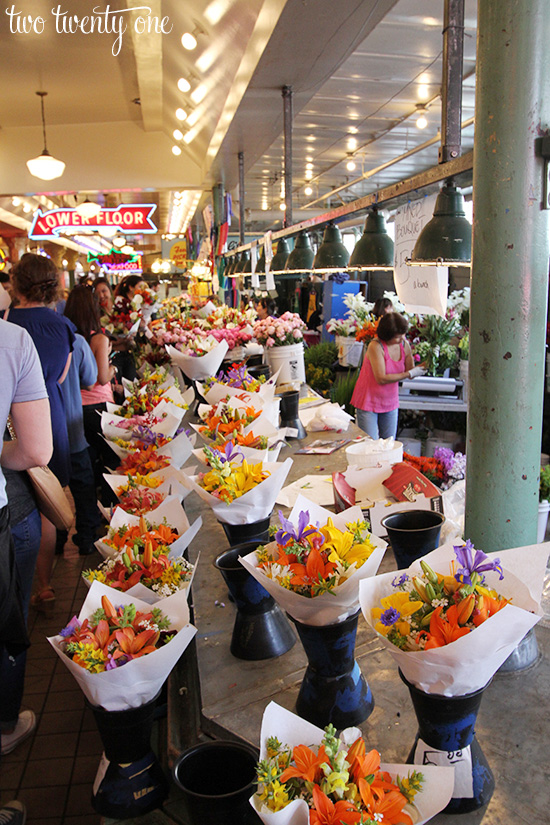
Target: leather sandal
44 600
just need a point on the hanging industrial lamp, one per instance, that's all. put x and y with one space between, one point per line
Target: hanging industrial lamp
374 249
245 256
446 240
281 256
260 266
45 166
301 257
232 272
332 255
87 209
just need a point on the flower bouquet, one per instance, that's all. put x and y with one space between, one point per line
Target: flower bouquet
143 461
224 420
147 573
238 493
121 655
368 330
454 617
314 566
454 465
307 776
177 450
123 320
146 301
200 360
254 448
136 489
168 528
280 332
237 382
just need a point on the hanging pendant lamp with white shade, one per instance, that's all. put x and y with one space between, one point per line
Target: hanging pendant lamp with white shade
45 166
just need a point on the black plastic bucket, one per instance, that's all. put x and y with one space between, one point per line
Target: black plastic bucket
412 534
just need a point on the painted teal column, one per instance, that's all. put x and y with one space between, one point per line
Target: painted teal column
509 274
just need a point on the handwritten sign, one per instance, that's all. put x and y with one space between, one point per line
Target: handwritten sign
423 289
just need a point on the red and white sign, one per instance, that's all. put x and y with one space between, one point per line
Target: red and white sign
127 219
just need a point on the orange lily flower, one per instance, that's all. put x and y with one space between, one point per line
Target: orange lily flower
327 812
307 763
486 607
445 629
134 646
313 568
362 764
390 807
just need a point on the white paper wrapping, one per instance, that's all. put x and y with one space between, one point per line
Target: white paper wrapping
253 506
138 681
467 664
217 392
175 516
200 367
317 488
251 455
167 426
292 730
343 600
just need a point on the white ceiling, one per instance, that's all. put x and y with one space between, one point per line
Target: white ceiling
355 67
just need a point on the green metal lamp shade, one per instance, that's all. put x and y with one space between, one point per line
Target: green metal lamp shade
260 265
247 268
332 255
280 258
232 273
374 249
227 267
446 240
301 257
245 256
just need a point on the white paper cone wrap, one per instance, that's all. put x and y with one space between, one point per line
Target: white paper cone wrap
253 506
468 664
292 730
327 608
138 681
200 367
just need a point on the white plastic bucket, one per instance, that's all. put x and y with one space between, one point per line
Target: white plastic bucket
290 360
544 508
360 457
349 351
411 446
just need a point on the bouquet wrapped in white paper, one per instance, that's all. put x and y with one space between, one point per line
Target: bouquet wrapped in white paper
473 617
131 679
199 367
255 504
314 566
309 775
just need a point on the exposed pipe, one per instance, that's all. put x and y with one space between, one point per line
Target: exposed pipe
241 197
287 130
451 88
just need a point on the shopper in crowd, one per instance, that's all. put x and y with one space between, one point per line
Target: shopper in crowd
388 360
35 284
103 295
25 398
82 375
381 307
265 308
128 286
82 310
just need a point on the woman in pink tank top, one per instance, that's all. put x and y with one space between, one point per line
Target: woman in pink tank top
388 360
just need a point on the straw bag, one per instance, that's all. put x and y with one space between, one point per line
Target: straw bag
50 498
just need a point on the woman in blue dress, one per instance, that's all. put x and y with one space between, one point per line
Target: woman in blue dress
35 284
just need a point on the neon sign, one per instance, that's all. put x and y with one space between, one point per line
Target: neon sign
127 219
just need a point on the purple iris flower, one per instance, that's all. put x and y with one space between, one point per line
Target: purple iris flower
474 561
145 434
71 628
236 376
399 581
390 616
229 453
290 533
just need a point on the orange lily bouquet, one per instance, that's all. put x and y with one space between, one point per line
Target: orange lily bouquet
314 566
122 650
225 420
307 776
237 493
452 618
167 530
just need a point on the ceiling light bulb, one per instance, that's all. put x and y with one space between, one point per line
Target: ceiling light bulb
352 144
188 137
16 201
45 166
119 242
183 84
65 262
308 174
309 166
423 91
350 165
264 206
282 206
177 135
176 150
181 114
27 207
308 191
353 130
127 249
421 120
189 41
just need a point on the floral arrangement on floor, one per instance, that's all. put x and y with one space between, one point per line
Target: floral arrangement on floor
228 480
280 332
312 560
432 609
224 421
151 568
113 636
340 784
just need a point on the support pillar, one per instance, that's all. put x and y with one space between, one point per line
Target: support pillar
241 199
287 127
509 274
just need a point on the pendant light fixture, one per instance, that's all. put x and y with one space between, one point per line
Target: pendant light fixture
374 249
87 209
446 240
301 257
280 257
232 273
332 255
245 256
260 266
45 166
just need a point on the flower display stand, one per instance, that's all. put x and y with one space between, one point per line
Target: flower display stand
446 736
130 781
261 629
333 690
254 531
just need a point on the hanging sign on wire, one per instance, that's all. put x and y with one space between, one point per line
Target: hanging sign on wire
423 289
268 252
255 281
